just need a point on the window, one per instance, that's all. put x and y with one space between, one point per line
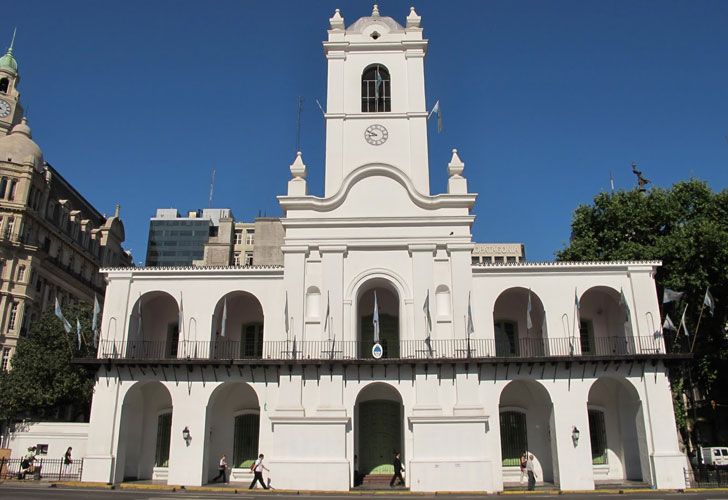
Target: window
249 236
4 85
514 437
248 258
586 336
237 259
164 431
252 344
21 273
13 316
506 339
475 260
11 193
6 359
9 228
238 237
598 433
245 441
3 186
375 90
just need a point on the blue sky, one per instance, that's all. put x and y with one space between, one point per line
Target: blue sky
136 101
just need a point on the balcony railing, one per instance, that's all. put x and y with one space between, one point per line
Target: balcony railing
405 349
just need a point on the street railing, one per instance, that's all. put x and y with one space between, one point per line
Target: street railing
52 469
223 349
705 476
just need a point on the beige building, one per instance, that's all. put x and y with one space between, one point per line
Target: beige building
498 253
52 240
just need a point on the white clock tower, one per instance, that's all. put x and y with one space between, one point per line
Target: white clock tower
376 110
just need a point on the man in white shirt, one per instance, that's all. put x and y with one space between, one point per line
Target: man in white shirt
531 471
258 469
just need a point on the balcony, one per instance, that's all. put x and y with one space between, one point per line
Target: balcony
480 350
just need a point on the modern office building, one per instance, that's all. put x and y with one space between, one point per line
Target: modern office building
52 240
379 334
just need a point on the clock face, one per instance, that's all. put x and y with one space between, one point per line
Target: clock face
4 108
376 135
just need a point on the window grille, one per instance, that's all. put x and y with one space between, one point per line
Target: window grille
245 441
598 433
514 437
376 90
506 339
586 336
164 432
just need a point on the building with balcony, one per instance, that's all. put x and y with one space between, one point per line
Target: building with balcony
52 240
378 333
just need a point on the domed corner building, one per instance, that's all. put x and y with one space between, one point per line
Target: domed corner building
379 333
52 240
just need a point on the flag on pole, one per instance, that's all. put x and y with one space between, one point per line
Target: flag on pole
293 351
436 110
78 333
683 325
180 317
426 310
139 316
625 306
709 301
223 327
285 314
328 312
671 296
59 314
529 323
375 318
611 181
470 327
95 320
668 324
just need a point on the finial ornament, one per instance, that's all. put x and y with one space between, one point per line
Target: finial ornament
117 210
375 11
413 20
336 21
456 165
298 168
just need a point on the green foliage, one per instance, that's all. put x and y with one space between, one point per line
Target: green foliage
43 384
686 227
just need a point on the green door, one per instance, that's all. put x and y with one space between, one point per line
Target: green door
245 441
380 435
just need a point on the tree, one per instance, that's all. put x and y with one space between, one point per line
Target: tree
43 383
686 227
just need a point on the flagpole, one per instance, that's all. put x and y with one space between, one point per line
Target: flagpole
697 327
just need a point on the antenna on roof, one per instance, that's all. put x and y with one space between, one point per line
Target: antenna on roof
12 42
212 188
298 126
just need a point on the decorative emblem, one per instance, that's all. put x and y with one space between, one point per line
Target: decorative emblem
377 351
4 108
376 134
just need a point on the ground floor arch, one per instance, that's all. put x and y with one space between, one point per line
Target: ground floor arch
144 432
379 430
233 428
525 420
617 435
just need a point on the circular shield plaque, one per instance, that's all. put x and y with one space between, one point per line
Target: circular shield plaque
377 351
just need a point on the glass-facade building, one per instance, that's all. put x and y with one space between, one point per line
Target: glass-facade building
177 241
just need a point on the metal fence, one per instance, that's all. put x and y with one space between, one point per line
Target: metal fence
704 476
404 349
49 469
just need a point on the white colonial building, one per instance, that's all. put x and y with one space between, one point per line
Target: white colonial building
479 362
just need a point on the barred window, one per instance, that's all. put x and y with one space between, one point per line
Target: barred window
598 433
506 339
586 336
245 441
514 438
164 432
376 89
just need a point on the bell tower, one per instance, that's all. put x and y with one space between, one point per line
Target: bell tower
376 110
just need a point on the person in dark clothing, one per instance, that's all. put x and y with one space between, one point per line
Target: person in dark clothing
258 469
221 468
397 463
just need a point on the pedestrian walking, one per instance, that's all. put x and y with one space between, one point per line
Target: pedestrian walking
67 461
221 470
530 470
258 469
397 464
524 459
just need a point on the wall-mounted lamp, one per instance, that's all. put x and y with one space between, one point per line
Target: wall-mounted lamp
575 435
186 435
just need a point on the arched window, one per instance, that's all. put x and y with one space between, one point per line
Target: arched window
4 85
506 338
376 89
514 437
